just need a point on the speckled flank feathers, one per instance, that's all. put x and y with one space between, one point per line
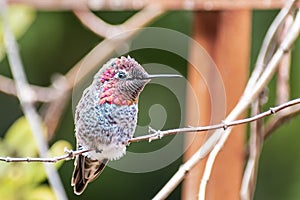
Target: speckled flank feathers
106 117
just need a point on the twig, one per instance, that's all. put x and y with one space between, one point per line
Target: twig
26 101
279 119
242 105
284 47
261 58
59 5
256 134
106 30
70 154
53 111
38 93
159 134
179 175
282 87
256 137
96 24
244 102
283 90
255 145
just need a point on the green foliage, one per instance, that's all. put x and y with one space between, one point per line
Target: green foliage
19 18
25 180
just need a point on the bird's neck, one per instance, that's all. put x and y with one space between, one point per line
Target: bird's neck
111 95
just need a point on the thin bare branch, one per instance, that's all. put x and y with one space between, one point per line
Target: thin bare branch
96 24
187 166
261 61
249 97
159 134
24 94
70 154
255 145
53 112
106 30
283 89
279 119
256 134
39 93
58 5
220 136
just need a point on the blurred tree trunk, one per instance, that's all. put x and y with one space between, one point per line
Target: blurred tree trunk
225 35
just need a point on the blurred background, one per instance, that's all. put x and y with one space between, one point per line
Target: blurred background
56 41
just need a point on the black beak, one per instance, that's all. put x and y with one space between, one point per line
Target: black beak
163 76
157 76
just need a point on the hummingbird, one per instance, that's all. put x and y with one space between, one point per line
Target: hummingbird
106 117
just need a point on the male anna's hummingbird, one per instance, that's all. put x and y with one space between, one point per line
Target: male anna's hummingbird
106 117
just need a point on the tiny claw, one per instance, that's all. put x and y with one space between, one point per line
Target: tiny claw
69 152
152 130
272 110
225 126
159 135
66 150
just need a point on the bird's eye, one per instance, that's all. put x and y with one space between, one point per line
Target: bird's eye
121 75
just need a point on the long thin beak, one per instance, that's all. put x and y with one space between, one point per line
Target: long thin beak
151 76
157 76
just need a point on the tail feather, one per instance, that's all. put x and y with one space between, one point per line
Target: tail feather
86 170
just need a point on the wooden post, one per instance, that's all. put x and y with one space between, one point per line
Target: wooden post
226 37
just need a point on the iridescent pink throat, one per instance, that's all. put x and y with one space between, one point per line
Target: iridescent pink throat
111 96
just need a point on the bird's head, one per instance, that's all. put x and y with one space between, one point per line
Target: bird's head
121 81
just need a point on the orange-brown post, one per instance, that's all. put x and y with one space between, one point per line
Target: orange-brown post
226 37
